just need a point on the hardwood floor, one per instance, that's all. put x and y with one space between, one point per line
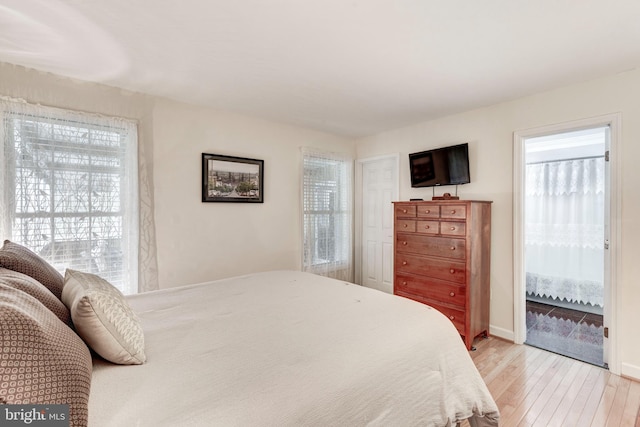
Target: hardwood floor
533 387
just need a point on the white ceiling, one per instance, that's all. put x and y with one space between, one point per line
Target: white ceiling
350 67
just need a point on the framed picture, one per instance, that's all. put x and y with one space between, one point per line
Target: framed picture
232 179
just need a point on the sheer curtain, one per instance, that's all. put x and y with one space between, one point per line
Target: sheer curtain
564 230
327 205
69 190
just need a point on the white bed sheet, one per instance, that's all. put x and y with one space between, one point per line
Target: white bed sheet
290 349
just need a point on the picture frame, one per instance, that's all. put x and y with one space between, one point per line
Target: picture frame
232 179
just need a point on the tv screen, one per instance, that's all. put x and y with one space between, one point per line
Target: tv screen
440 166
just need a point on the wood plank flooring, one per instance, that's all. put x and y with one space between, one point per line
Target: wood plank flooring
533 387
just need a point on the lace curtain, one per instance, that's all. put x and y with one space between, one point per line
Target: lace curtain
564 229
327 205
70 191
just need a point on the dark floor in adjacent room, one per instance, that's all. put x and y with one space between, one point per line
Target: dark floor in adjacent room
572 333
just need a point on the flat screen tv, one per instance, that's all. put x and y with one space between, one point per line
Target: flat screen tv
440 166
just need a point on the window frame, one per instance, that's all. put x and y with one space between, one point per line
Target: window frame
340 216
123 177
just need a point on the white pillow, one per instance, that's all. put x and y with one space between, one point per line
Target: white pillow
103 318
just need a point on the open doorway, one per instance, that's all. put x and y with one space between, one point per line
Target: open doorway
565 242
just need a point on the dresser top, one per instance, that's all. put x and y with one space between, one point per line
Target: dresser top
443 201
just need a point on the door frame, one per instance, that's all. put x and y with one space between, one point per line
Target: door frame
519 291
358 208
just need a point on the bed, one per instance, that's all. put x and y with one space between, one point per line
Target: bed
280 348
290 348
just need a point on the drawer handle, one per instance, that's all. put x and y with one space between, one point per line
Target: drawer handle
404 211
452 317
404 262
404 283
427 211
405 225
452 294
453 212
452 228
404 243
426 227
452 271
453 248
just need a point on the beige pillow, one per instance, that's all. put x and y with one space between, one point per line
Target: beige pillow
37 290
21 259
103 318
42 361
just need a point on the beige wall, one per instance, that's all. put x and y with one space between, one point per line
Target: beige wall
490 134
203 241
199 241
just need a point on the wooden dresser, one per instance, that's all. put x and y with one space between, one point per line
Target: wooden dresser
442 254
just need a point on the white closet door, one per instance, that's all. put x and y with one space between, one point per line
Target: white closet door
379 189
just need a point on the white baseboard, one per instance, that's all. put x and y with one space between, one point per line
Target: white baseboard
630 371
501 333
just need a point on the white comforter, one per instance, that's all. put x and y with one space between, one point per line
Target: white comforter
290 349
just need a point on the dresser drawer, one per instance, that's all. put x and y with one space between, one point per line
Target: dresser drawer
405 211
434 289
427 227
431 211
450 228
430 245
456 317
431 267
453 212
406 225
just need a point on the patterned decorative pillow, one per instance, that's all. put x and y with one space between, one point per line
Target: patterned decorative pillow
37 290
18 258
103 318
42 361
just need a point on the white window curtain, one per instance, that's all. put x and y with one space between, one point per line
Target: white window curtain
564 230
327 214
69 189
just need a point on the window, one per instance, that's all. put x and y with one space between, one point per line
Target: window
70 190
327 214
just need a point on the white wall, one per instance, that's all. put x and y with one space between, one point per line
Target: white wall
490 134
204 241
